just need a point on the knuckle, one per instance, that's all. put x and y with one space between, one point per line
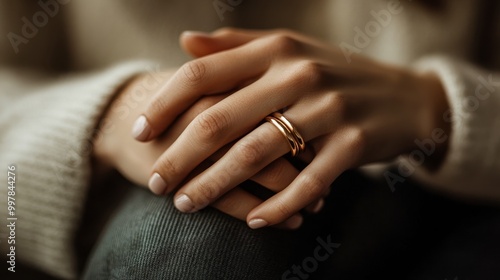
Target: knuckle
336 102
274 173
250 153
283 44
209 125
157 106
357 137
212 188
205 193
284 31
282 208
225 31
314 186
194 71
307 73
167 166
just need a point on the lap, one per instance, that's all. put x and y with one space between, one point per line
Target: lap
408 234
149 239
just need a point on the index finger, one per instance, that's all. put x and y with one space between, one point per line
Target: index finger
220 72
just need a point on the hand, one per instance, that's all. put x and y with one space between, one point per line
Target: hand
115 148
349 114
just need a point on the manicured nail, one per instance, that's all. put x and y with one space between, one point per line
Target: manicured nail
257 223
141 129
184 204
319 205
294 222
157 185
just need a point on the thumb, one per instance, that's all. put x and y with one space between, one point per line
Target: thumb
200 44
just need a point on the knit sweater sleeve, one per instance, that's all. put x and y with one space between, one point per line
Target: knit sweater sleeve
471 167
46 134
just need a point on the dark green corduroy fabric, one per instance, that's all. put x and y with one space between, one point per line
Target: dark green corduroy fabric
150 239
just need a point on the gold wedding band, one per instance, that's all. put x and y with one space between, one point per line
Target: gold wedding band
293 137
293 129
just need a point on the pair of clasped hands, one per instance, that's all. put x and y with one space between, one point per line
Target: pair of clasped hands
200 133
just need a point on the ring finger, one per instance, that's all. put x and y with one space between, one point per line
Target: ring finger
247 157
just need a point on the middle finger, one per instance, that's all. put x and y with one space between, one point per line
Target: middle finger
248 156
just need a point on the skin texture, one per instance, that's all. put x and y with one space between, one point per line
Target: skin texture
349 114
115 148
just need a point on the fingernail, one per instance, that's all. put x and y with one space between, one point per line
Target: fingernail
157 185
257 223
318 206
294 222
184 204
195 33
141 129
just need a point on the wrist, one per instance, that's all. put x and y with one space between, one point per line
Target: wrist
434 125
105 143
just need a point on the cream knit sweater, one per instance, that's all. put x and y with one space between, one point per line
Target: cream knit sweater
52 90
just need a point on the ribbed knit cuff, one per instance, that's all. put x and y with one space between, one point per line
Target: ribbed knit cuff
47 135
473 158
